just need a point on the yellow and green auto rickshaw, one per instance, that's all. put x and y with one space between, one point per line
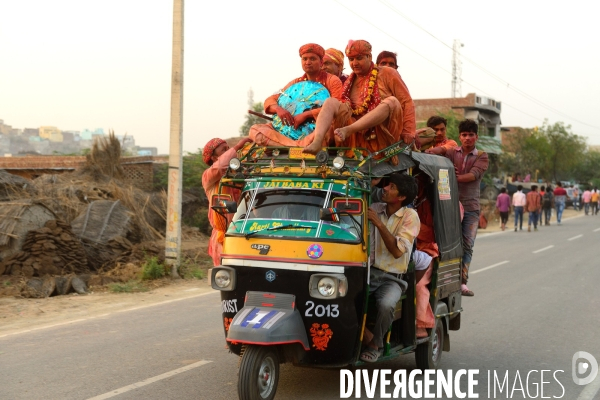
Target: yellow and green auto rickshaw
294 273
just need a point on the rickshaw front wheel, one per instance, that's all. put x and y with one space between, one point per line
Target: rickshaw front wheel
259 373
429 355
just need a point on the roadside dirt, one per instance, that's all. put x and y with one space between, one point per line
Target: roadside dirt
19 314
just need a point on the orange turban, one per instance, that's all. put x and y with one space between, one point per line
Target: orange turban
334 55
209 149
358 47
312 48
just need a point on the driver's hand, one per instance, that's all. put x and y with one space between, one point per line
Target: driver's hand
373 217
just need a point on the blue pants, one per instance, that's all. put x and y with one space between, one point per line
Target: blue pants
533 217
519 216
547 215
559 210
470 223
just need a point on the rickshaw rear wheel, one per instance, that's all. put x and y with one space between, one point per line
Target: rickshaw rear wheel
429 355
259 373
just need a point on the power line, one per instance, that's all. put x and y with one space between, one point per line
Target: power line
432 62
508 85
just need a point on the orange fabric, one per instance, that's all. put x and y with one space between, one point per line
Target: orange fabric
447 144
210 182
401 122
334 55
425 317
312 48
358 47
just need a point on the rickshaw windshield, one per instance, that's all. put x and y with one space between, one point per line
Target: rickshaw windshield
266 209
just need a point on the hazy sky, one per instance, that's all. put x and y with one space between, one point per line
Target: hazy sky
79 64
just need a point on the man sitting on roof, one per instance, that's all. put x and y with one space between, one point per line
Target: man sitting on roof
376 108
312 60
333 62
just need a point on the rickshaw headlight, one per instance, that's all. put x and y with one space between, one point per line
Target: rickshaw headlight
326 287
234 164
338 163
222 278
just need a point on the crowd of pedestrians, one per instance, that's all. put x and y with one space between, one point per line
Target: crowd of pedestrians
539 205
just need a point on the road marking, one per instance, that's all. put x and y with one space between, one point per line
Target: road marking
148 381
589 392
106 314
490 267
575 237
596 230
544 249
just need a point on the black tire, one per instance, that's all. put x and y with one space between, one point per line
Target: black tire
429 355
490 193
259 373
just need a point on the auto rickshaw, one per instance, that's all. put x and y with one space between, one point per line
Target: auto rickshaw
294 273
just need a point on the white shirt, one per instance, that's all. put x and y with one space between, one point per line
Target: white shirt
519 199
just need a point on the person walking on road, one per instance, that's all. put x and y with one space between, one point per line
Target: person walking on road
594 201
518 202
533 207
560 197
503 206
547 205
586 198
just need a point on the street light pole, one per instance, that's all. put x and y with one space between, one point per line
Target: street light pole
173 237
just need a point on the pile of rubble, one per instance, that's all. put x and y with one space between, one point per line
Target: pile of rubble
51 250
59 233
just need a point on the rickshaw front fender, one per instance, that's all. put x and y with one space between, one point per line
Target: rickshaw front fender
267 326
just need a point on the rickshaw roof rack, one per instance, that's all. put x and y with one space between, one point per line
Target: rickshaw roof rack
333 162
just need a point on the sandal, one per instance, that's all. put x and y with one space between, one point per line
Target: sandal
466 292
370 355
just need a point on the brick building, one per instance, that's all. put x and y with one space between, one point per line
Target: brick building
138 171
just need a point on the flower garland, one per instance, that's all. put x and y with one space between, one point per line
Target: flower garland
370 93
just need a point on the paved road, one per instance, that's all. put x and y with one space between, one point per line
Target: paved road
537 303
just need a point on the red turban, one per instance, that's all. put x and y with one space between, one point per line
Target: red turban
356 48
312 48
334 55
209 149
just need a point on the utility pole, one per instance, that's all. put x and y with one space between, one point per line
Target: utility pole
173 239
456 69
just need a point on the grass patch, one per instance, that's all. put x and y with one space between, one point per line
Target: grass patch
152 269
127 287
190 269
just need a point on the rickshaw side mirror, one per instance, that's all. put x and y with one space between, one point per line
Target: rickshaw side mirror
223 203
225 206
349 206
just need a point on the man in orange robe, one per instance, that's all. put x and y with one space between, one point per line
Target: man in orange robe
376 108
333 62
312 61
217 155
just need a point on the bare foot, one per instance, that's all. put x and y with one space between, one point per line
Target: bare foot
312 148
342 134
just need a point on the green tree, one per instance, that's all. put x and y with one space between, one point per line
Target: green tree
193 168
249 118
587 170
